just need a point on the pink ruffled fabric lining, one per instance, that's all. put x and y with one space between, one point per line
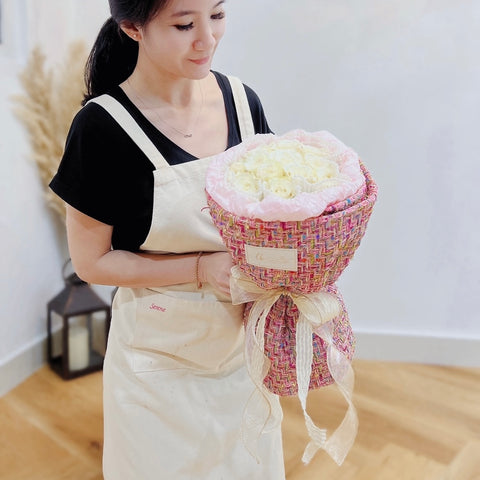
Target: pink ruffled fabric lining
272 207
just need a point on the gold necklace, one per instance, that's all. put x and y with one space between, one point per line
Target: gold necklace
185 135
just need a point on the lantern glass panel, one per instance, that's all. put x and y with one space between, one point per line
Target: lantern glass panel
99 332
56 334
78 342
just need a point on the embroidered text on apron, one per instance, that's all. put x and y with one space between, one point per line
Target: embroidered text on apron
175 386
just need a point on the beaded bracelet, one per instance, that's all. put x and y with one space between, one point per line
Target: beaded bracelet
197 279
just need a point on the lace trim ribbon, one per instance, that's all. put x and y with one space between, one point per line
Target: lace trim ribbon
263 411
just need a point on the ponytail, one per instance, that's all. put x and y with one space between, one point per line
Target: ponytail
111 61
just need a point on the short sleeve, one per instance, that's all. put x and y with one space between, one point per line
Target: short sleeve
87 178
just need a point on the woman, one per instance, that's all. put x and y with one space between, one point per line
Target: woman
132 176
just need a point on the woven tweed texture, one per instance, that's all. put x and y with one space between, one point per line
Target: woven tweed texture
325 244
280 335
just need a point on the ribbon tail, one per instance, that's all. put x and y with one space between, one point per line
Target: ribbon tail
342 439
304 349
263 407
316 312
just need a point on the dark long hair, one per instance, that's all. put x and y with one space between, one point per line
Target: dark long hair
114 54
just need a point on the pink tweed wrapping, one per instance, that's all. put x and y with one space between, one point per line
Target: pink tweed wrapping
280 334
325 246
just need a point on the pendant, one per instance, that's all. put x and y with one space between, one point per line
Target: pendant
188 135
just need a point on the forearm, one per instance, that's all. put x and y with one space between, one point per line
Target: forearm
127 269
89 242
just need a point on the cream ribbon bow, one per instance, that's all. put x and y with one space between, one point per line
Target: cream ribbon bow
263 410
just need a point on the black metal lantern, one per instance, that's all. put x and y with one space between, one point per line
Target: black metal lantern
78 322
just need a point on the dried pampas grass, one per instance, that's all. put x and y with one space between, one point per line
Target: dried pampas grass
51 100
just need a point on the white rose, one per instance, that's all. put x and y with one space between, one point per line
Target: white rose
284 168
246 183
268 169
282 187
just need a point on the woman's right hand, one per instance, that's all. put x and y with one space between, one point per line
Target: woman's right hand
215 269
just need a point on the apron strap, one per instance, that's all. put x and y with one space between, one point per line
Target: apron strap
121 115
244 114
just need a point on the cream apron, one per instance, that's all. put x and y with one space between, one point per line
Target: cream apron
175 384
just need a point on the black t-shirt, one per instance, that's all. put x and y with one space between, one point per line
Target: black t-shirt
105 175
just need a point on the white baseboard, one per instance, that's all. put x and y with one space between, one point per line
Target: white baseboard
398 347
20 365
394 347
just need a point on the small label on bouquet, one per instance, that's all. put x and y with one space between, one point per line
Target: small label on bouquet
276 258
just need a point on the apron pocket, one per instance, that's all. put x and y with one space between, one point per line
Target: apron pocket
175 333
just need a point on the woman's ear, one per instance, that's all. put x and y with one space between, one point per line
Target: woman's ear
131 30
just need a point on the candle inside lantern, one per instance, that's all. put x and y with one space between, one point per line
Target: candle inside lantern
78 350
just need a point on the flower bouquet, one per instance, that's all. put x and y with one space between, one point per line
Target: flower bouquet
292 211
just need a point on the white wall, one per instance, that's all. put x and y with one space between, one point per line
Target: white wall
395 80
399 82
32 239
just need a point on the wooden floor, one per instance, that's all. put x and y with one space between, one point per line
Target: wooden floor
416 423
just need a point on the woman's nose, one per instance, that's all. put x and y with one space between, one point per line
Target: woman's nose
205 40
